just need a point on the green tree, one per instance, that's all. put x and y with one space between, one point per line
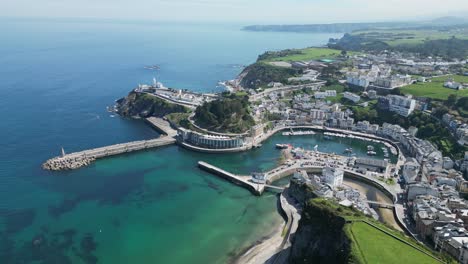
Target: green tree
451 100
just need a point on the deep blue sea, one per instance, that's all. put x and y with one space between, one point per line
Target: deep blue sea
56 79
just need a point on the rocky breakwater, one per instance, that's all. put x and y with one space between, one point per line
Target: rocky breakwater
67 163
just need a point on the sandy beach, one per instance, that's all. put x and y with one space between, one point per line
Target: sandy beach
267 250
262 252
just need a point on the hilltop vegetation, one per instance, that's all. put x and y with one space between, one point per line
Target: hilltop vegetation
230 114
261 74
145 105
299 54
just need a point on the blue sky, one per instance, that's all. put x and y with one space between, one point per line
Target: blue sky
244 11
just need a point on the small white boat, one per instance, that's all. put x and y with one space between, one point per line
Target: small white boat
282 146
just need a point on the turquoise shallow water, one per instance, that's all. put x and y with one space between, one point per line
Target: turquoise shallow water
57 77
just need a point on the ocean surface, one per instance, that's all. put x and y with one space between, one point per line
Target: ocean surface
56 79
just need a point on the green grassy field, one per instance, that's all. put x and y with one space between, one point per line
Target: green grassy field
310 54
398 37
374 246
435 89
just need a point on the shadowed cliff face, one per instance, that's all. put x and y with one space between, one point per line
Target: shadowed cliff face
320 237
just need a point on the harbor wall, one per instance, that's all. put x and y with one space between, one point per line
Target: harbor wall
229 176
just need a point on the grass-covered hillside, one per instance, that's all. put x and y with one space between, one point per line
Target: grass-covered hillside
435 88
230 114
331 233
306 54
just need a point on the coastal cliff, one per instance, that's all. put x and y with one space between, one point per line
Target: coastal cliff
138 105
320 237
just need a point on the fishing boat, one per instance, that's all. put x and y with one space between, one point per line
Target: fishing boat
282 146
152 67
370 148
348 150
371 153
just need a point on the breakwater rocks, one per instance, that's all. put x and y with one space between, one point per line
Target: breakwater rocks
67 163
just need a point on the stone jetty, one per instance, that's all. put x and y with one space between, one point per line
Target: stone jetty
84 158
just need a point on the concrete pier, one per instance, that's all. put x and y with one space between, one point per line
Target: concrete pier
84 158
243 181
162 126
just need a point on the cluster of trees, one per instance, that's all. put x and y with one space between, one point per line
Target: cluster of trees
278 54
453 102
261 74
230 114
146 105
359 43
446 48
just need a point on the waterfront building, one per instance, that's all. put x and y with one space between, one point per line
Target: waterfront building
375 165
333 176
210 141
256 130
316 114
401 105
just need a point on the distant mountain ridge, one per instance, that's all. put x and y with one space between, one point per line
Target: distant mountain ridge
350 27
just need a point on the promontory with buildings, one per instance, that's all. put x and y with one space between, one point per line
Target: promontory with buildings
410 108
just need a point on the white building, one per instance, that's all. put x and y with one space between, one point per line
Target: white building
316 114
358 80
401 105
353 97
453 85
325 94
393 81
333 176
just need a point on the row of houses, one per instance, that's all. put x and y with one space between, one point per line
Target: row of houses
458 128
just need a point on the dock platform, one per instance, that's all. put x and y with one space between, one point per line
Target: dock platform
243 181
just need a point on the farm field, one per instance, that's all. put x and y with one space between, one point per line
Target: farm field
435 89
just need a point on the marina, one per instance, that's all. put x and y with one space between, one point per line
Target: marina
299 133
